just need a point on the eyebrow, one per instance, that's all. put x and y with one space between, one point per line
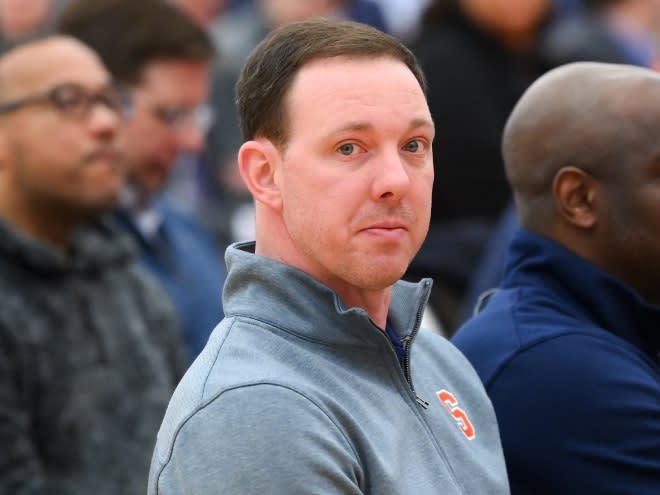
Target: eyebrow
365 126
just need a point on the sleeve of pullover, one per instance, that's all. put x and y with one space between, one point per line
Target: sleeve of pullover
259 439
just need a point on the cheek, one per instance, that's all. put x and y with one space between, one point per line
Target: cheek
422 191
311 213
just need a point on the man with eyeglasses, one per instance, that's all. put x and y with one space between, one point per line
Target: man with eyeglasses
164 57
89 349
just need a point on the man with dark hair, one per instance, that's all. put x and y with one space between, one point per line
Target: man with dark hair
89 351
568 348
157 50
319 379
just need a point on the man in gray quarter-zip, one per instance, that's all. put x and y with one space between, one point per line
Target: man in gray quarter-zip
319 379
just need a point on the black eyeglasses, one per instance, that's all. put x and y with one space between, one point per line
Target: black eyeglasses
74 100
201 116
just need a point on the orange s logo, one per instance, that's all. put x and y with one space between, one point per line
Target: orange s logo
462 421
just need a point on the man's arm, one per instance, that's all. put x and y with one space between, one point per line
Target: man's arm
254 440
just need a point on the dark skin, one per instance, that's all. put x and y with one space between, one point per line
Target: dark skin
582 154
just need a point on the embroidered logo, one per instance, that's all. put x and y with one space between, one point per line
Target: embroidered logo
460 416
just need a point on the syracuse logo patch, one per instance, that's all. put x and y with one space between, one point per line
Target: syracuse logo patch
464 424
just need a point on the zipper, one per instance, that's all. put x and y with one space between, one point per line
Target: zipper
407 342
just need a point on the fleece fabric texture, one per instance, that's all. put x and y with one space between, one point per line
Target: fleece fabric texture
89 357
296 393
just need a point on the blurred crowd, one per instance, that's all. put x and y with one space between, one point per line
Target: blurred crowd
479 56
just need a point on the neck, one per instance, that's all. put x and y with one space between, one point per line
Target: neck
46 224
273 241
376 303
134 199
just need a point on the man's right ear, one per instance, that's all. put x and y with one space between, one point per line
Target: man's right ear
575 194
258 163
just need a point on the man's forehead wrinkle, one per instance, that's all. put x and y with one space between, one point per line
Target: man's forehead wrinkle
362 126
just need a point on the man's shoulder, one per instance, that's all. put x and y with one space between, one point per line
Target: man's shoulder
513 321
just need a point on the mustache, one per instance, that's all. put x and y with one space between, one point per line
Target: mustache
104 152
399 212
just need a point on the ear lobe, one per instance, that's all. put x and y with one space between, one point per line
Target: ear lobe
574 191
257 164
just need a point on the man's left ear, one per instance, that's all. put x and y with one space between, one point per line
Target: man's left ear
575 194
258 162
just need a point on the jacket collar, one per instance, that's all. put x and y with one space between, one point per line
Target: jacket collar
584 289
93 246
288 298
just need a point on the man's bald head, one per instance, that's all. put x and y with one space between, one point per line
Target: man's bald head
60 146
600 118
34 66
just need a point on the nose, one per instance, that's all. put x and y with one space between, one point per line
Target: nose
191 138
103 120
391 177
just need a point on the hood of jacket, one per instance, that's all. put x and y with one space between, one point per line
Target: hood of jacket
93 246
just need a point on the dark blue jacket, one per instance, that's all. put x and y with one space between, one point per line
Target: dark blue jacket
569 357
189 266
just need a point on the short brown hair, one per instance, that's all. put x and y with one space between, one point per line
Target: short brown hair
128 34
270 69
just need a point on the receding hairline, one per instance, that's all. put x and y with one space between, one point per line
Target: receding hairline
19 62
293 46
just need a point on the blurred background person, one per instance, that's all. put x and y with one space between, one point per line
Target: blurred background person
611 31
402 17
568 348
23 20
89 352
479 56
165 58
203 12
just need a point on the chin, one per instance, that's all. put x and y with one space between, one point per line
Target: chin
377 277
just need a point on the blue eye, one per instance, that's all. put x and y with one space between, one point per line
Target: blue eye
413 146
346 149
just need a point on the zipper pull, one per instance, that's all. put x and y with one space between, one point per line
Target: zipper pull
421 401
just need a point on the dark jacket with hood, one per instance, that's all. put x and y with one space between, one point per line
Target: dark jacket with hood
88 360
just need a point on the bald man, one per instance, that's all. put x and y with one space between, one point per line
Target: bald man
88 356
568 347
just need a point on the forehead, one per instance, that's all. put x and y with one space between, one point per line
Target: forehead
49 63
175 77
374 91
